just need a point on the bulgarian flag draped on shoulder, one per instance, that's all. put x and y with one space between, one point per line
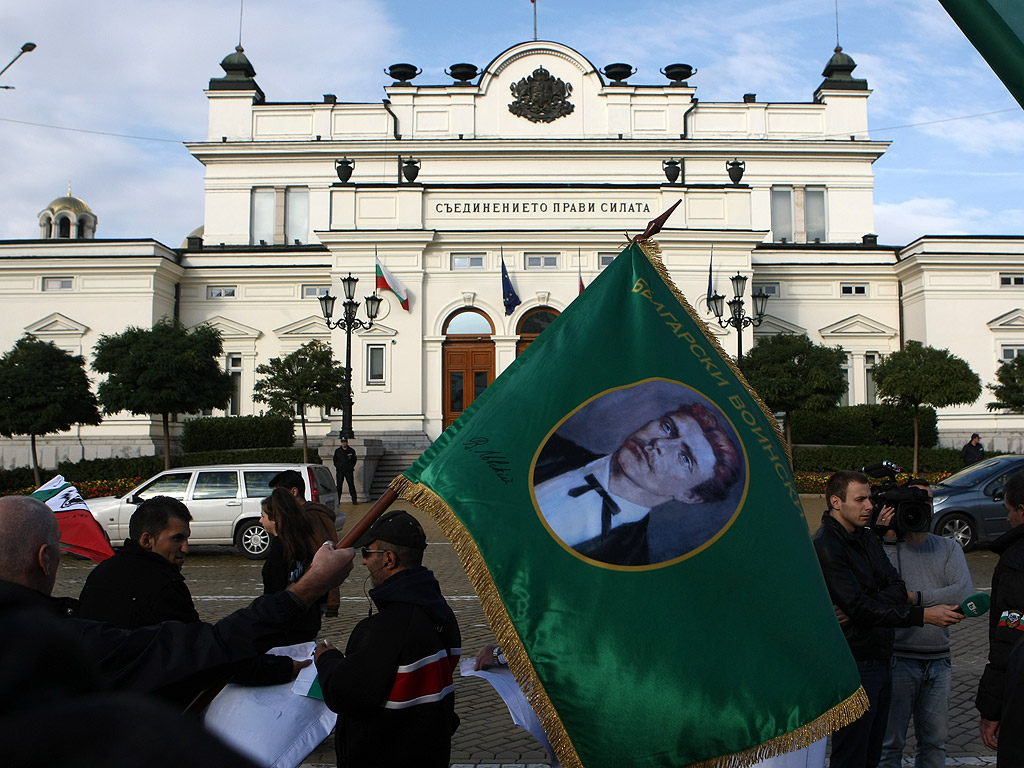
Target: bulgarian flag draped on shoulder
624 507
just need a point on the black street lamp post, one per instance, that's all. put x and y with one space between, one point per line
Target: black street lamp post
349 322
738 318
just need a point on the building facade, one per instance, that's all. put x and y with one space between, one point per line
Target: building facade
542 162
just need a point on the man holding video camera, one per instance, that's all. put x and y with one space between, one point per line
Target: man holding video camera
870 600
935 571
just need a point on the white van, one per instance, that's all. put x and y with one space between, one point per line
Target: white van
224 501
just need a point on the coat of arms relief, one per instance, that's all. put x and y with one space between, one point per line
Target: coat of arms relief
541 98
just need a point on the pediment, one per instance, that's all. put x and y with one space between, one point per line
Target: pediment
231 329
857 326
772 325
378 330
56 324
1012 320
311 327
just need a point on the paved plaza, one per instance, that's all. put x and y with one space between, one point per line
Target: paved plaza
222 581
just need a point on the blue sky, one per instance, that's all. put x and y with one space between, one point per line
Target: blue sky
139 69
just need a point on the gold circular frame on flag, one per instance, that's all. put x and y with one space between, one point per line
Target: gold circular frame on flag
640 476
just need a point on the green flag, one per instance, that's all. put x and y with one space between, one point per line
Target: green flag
625 510
996 29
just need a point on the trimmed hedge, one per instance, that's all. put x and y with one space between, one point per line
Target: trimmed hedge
864 425
119 471
237 432
833 458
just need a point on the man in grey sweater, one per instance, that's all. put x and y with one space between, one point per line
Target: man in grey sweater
935 572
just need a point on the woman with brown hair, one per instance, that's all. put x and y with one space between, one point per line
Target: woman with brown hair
291 551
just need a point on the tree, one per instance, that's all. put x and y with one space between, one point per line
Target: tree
1009 391
918 375
792 373
308 376
45 389
162 370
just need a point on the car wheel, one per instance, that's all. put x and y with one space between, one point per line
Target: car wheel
252 540
960 528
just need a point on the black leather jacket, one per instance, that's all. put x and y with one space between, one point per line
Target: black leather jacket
1004 620
863 583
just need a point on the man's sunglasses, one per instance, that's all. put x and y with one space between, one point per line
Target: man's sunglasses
366 551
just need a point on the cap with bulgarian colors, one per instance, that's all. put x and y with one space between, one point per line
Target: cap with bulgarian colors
395 527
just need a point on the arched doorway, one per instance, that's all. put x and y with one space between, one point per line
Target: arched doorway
531 325
468 354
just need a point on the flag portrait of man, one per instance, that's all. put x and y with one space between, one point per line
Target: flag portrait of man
654 453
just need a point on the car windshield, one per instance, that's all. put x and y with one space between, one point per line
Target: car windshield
972 475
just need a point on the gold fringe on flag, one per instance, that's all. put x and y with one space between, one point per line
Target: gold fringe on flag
519 662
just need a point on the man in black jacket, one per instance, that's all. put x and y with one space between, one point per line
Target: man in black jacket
344 468
142 584
870 600
165 660
393 688
1006 629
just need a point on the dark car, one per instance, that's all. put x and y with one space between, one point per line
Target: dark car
969 505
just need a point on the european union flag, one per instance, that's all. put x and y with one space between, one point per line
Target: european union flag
508 293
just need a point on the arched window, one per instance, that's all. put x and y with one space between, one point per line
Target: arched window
468 322
64 227
532 325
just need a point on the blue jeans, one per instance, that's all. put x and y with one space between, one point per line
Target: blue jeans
859 744
920 689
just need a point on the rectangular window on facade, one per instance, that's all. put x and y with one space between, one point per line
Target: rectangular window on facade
853 289
375 371
261 221
604 258
296 215
772 289
1007 280
542 261
1010 351
814 215
220 291
782 215
870 392
234 369
315 291
58 284
467 261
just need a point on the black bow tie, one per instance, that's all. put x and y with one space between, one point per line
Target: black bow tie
608 505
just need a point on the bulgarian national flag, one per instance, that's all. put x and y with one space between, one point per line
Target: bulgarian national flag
624 508
996 29
391 283
79 531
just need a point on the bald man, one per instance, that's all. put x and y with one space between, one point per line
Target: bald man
172 660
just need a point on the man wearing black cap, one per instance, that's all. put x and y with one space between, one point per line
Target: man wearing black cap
393 688
972 452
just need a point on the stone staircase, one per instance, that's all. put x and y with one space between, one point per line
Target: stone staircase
400 451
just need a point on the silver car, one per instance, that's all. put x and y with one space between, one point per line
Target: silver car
968 506
224 501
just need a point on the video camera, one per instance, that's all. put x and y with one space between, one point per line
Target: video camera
913 505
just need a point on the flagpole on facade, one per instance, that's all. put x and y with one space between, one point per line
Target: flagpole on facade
534 3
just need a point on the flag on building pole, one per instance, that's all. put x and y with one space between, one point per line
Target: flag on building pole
624 508
508 294
996 29
387 281
710 286
79 531
579 264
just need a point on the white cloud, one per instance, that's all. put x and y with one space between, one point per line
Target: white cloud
900 223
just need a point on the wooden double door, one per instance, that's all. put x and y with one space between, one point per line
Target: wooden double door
468 371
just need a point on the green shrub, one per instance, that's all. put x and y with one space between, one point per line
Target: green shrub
864 425
237 433
832 458
255 455
13 480
109 469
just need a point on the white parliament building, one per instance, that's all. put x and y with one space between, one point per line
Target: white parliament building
544 161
